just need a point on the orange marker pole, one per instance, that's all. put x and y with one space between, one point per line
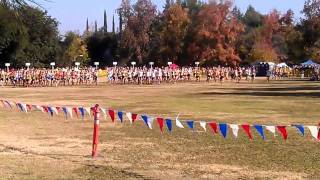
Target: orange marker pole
96 115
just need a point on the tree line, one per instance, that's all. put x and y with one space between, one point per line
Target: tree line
185 31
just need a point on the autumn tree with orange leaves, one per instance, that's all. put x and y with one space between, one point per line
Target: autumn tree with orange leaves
216 33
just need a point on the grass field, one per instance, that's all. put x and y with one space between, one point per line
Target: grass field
36 146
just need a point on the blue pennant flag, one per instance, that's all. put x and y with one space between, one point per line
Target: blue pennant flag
50 110
223 129
20 106
120 115
259 129
81 110
145 119
300 128
65 111
190 124
169 124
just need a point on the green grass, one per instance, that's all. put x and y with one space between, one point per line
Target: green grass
133 151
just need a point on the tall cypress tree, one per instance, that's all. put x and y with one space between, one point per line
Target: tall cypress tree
120 23
87 25
95 26
105 22
113 25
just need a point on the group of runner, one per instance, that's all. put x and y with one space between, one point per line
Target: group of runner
130 75
144 75
48 77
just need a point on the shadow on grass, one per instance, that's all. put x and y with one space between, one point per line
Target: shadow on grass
279 91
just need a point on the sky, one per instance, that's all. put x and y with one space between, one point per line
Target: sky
72 14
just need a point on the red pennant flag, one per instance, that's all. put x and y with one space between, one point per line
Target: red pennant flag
214 127
58 108
29 107
134 117
75 109
45 109
283 131
111 113
246 128
160 122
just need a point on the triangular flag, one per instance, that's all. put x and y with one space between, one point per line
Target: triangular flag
134 117
75 109
54 109
104 111
283 131
235 129
160 123
247 130
259 129
50 111
145 119
129 116
214 127
223 129
19 106
203 125
272 129
178 123
111 114
120 116
88 110
314 131
39 108
8 104
169 124
81 110
300 128
190 124
58 108
69 111
150 122
45 109
29 107
65 111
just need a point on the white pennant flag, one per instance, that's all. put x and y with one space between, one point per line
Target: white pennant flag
129 116
88 110
24 107
150 122
55 110
203 125
104 111
69 111
235 129
314 131
272 129
178 123
40 108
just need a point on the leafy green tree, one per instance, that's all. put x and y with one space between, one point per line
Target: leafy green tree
13 36
75 50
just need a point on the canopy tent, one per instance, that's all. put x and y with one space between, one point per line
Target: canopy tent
309 63
282 65
174 66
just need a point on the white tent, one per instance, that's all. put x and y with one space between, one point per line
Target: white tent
309 63
282 65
